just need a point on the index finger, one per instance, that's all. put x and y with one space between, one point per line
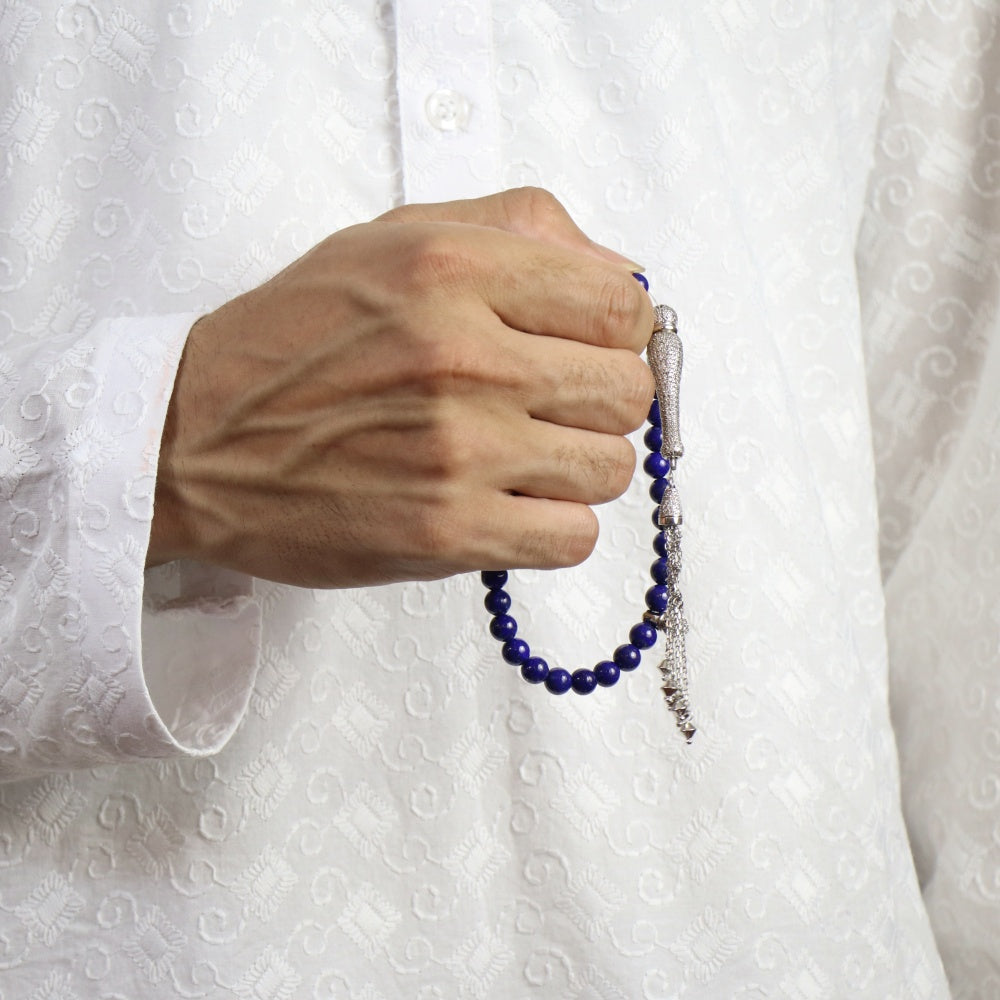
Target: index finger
552 291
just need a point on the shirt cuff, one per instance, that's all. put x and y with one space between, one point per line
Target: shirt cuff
200 648
192 631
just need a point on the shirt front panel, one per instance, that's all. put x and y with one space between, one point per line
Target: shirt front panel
399 814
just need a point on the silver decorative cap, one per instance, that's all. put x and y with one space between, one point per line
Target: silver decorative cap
666 358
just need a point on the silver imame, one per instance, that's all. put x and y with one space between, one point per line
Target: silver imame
666 358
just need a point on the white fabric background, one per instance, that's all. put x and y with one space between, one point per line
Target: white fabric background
397 814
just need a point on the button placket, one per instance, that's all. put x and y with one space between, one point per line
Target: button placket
449 120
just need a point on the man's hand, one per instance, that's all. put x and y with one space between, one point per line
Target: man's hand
444 389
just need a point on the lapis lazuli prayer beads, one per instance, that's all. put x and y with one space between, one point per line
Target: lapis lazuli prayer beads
642 635
664 602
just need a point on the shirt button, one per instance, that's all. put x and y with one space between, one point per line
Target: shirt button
447 110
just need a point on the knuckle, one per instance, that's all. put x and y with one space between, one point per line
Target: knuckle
618 313
620 467
580 541
568 547
573 376
441 528
401 213
435 361
446 367
610 470
600 473
449 450
431 533
438 260
533 209
637 392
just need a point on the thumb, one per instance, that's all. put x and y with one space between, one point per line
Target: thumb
527 211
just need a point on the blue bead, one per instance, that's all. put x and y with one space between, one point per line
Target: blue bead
515 651
656 599
558 681
641 278
534 670
607 673
503 628
660 544
584 681
660 571
627 657
656 490
642 635
655 465
653 438
656 518
497 602
654 413
494 578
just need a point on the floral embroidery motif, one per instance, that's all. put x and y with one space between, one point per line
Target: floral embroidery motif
126 45
17 459
270 977
365 820
265 781
154 843
42 228
51 808
238 78
368 919
154 945
265 883
49 908
25 125
17 21
473 758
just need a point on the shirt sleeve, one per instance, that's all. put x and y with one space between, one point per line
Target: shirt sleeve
929 260
101 662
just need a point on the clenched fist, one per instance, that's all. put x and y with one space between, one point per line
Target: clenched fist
444 389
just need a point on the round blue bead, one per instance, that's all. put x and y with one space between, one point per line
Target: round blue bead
660 571
656 465
642 635
660 544
558 681
654 413
607 673
503 627
641 278
535 670
515 651
656 599
627 657
656 518
497 602
653 438
656 490
494 578
584 681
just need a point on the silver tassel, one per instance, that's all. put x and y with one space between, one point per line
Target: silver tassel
666 358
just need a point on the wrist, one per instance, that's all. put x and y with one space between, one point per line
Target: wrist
170 536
